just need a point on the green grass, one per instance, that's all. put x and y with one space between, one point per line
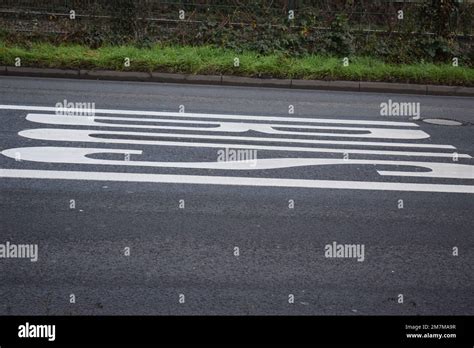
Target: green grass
208 60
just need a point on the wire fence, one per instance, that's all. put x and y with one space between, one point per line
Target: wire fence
383 16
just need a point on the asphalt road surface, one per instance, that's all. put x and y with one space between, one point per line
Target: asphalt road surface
140 209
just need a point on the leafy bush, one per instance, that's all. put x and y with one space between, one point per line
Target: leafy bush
338 40
429 31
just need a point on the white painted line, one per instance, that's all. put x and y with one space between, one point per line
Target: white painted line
287 148
94 136
241 127
216 116
78 155
232 181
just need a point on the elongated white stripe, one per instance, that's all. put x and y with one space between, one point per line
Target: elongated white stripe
232 181
284 148
78 155
240 127
215 116
87 136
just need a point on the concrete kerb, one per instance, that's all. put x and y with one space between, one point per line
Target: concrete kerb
362 86
115 75
41 72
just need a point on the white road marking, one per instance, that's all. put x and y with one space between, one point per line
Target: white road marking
77 155
275 148
218 116
232 181
239 127
212 123
88 136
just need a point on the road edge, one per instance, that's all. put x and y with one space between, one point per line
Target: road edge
352 86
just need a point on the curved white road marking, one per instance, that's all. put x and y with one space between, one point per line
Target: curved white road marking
88 136
231 181
238 127
274 148
77 155
214 123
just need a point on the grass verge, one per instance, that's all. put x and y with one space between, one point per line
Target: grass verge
209 60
